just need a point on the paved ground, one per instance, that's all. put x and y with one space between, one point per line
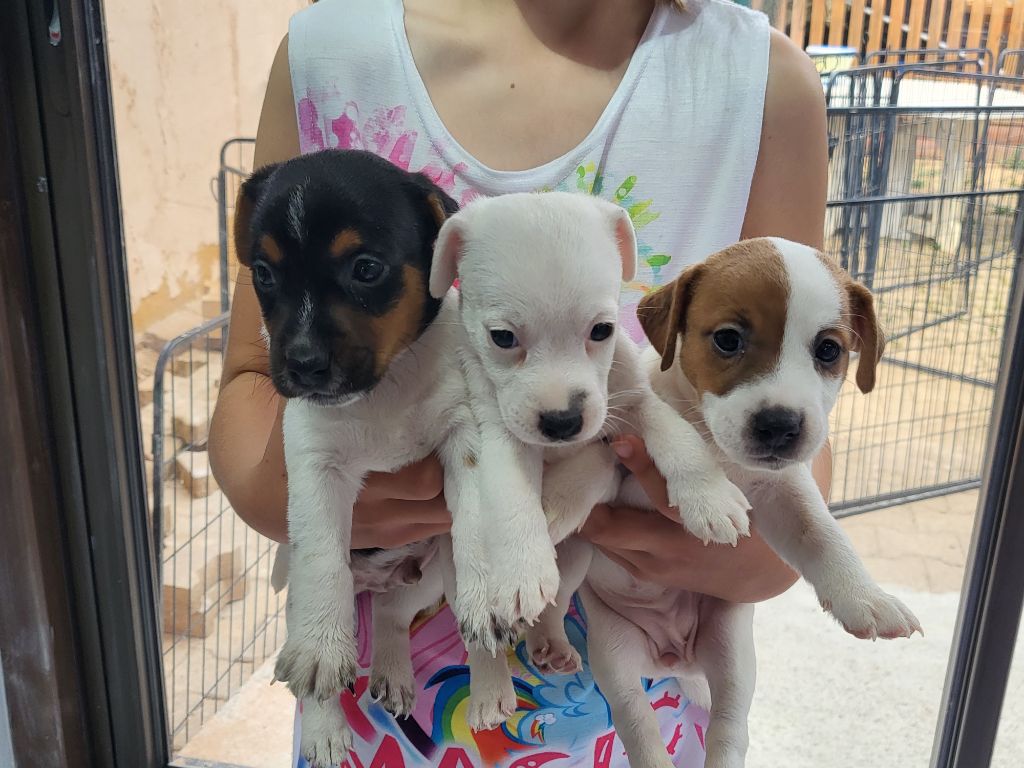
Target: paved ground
824 699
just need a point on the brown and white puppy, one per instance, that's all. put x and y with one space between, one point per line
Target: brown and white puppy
752 347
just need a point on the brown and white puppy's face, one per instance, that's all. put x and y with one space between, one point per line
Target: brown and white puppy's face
763 332
340 247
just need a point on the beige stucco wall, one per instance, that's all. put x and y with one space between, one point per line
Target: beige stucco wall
186 76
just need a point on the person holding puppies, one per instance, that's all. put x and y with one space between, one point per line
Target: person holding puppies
695 116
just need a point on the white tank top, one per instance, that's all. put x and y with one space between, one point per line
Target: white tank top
676 145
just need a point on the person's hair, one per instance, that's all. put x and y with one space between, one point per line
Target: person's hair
679 5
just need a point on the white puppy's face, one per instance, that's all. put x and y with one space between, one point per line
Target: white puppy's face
539 279
767 327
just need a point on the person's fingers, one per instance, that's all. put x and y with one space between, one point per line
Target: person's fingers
390 538
420 481
628 529
396 522
639 565
633 455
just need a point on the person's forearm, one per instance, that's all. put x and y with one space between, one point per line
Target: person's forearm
247 453
752 572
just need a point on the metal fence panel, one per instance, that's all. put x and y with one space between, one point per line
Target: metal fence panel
925 208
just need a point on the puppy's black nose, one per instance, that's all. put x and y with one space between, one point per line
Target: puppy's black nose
777 429
308 366
561 425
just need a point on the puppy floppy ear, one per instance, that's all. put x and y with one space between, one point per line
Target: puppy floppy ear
869 340
447 252
625 235
662 313
249 195
439 204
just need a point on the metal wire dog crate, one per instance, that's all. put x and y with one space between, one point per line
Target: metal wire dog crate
925 208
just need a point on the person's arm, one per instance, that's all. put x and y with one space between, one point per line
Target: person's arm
787 199
246 449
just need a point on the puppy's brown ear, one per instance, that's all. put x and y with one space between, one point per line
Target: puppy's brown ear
869 340
662 313
447 251
440 206
248 196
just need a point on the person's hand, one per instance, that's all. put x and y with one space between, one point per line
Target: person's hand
401 507
653 546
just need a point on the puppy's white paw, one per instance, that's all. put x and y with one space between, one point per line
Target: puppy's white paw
551 654
868 613
395 690
478 624
491 707
521 594
326 738
713 511
317 667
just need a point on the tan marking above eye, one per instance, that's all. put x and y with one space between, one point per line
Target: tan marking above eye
271 250
344 242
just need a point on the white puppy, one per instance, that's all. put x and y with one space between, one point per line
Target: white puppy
763 330
549 375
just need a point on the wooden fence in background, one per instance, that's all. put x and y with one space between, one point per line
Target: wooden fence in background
872 25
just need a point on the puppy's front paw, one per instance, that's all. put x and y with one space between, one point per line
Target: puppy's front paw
522 593
317 668
326 738
491 707
477 623
395 691
553 655
868 613
713 511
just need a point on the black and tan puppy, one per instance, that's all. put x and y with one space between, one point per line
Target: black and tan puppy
340 247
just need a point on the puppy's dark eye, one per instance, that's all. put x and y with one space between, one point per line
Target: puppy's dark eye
504 339
828 351
728 342
263 276
368 270
601 331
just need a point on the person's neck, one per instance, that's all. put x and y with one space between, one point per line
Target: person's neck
600 33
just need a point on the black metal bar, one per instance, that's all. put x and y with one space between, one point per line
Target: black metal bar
222 239
925 196
990 609
48 701
982 56
869 109
883 501
971 380
79 272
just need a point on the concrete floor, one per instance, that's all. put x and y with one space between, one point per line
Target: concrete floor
822 698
